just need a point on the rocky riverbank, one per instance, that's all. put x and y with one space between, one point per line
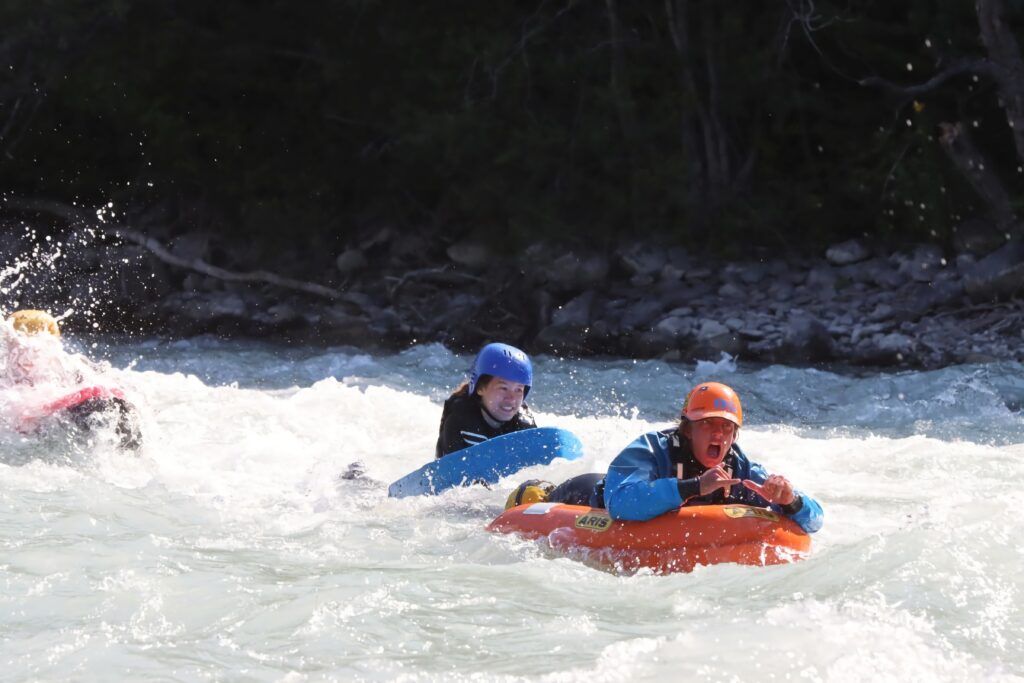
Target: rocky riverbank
918 308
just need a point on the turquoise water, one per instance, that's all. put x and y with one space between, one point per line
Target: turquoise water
231 549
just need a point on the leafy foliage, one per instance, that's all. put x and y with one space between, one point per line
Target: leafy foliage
715 125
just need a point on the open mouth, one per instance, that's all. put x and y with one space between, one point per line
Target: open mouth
714 449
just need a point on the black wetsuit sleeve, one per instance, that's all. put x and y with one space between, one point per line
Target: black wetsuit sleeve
689 488
794 507
462 426
450 439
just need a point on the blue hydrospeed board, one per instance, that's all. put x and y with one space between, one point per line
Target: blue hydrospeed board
489 461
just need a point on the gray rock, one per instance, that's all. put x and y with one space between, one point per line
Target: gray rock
781 291
746 274
880 272
278 314
806 340
671 273
712 338
701 274
821 276
1000 274
900 345
845 253
675 327
881 312
731 290
574 271
710 329
923 264
576 312
376 238
470 254
350 261
643 259
641 314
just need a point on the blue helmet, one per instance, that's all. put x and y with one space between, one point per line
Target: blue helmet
504 361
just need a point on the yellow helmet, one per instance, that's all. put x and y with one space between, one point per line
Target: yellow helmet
530 491
34 322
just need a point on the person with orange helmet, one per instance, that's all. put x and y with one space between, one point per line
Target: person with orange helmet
699 462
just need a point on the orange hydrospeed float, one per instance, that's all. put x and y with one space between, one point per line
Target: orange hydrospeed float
673 542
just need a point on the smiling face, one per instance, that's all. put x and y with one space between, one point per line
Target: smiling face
502 398
711 439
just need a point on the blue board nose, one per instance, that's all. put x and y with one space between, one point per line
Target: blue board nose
489 461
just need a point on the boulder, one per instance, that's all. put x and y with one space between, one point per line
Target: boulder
573 271
675 327
923 264
998 275
351 261
845 253
806 339
576 311
643 259
641 314
469 254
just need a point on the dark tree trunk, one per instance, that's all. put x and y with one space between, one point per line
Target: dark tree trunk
974 165
1004 54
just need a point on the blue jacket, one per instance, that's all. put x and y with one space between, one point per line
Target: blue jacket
641 482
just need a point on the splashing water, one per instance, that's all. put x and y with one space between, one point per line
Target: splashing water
232 547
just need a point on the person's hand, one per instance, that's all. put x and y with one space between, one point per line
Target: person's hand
775 489
714 479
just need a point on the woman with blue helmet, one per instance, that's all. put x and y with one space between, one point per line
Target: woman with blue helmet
490 403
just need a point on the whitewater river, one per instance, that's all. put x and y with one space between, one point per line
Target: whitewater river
231 549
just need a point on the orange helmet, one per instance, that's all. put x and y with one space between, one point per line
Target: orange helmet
712 399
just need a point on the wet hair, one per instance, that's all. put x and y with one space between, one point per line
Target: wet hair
463 389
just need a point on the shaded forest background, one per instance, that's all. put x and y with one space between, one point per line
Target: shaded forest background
721 127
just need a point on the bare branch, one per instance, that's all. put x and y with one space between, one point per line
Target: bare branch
442 275
966 66
75 216
524 40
